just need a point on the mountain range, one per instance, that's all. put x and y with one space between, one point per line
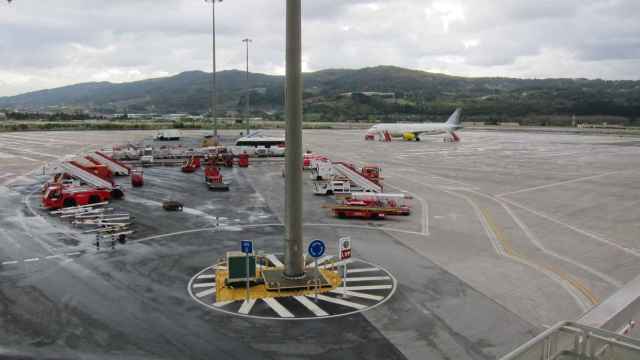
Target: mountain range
416 93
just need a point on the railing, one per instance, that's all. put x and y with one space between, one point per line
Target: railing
568 340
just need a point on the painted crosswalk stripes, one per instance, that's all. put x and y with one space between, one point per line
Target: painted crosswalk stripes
31 260
339 263
368 287
315 309
9 262
206 292
371 287
341 302
222 303
204 285
356 271
368 278
246 306
278 308
207 276
322 260
342 291
274 260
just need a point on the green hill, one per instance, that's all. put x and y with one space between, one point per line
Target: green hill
417 94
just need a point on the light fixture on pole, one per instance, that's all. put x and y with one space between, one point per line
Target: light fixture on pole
213 101
247 95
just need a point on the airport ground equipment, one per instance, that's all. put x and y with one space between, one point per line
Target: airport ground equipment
116 167
191 165
57 196
237 266
168 135
172 205
322 169
91 179
137 178
369 137
243 160
214 180
99 170
308 159
147 157
368 178
332 187
384 200
371 206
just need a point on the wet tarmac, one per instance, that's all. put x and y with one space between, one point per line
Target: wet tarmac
502 222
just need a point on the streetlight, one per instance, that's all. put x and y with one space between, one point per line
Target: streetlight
213 101
247 108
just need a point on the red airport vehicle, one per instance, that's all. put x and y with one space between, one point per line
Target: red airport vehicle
191 165
308 160
57 196
96 169
214 179
371 206
137 178
243 160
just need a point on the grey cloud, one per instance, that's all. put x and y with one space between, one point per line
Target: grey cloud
50 44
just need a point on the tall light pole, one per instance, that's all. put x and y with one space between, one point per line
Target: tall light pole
294 261
213 101
247 108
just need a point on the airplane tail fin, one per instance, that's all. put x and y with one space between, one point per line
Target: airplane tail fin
454 119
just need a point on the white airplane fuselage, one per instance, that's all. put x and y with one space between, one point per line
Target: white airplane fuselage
414 131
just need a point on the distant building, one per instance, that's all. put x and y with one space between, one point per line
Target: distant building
3 116
384 95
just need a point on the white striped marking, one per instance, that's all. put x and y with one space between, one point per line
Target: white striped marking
372 287
222 303
206 292
339 263
277 307
342 302
342 291
53 256
74 253
202 285
9 262
322 260
315 309
246 306
274 260
206 276
368 278
219 267
355 271
31 260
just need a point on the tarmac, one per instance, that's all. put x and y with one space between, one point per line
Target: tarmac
511 232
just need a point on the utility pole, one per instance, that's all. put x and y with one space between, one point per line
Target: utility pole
247 96
213 102
294 261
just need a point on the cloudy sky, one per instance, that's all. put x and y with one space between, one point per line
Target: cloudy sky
45 44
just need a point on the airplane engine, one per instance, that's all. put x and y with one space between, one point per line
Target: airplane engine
408 136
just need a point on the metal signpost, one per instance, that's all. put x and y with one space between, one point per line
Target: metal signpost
247 248
316 250
344 253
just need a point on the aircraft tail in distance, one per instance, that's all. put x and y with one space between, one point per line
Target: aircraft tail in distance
454 119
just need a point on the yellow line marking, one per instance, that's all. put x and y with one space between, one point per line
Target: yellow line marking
508 248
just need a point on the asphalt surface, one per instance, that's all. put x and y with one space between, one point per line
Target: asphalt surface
508 234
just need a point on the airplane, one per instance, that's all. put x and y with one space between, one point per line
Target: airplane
410 132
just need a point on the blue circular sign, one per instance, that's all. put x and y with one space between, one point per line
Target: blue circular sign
317 248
